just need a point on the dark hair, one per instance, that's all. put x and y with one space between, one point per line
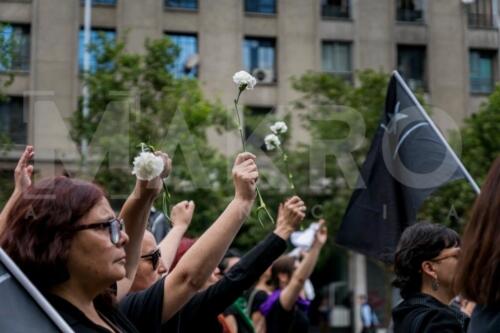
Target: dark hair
36 234
420 242
284 264
478 273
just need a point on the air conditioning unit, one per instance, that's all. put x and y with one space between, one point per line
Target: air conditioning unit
263 75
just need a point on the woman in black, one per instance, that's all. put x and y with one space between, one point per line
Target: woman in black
66 238
201 313
284 309
425 264
478 274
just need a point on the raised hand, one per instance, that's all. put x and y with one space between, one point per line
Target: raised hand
182 214
321 234
290 214
24 170
245 176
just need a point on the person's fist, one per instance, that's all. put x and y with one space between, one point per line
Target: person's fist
245 176
291 213
182 214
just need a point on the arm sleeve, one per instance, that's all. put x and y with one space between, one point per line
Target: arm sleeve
215 299
144 308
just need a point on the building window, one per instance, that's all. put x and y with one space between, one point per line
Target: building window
260 6
410 10
101 2
259 58
336 59
480 14
98 40
186 64
15 46
257 122
411 64
12 122
335 8
183 4
482 69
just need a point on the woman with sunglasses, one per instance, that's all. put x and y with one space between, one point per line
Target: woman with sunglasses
156 260
66 238
478 276
425 263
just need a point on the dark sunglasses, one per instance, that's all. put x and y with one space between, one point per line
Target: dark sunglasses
154 257
114 226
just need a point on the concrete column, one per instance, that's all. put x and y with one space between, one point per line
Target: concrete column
54 58
374 34
358 286
139 20
447 57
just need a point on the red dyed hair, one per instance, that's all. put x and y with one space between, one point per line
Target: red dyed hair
184 246
37 234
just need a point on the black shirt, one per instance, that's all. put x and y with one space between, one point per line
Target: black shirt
485 319
144 308
423 313
257 297
77 320
200 313
279 320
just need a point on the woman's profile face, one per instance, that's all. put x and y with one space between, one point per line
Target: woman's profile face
92 256
446 265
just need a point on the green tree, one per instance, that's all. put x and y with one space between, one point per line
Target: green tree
170 113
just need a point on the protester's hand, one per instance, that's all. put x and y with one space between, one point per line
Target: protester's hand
321 234
182 214
245 176
290 214
24 170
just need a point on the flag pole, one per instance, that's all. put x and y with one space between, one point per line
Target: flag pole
86 67
438 132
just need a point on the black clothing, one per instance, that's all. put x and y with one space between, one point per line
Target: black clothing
145 308
485 319
257 297
279 320
81 324
423 313
200 313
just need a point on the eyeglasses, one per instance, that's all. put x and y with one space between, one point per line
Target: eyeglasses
114 225
455 255
154 257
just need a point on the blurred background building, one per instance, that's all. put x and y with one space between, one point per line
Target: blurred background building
447 49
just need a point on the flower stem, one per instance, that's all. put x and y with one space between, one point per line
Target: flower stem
262 204
290 176
240 128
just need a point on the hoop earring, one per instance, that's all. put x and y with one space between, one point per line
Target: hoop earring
435 285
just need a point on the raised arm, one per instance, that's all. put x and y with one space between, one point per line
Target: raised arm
135 213
198 263
291 292
22 179
181 216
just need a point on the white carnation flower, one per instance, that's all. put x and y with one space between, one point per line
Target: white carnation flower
279 127
242 78
147 166
272 142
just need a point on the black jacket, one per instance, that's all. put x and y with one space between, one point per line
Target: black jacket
485 319
423 313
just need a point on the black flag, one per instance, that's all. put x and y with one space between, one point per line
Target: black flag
406 162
